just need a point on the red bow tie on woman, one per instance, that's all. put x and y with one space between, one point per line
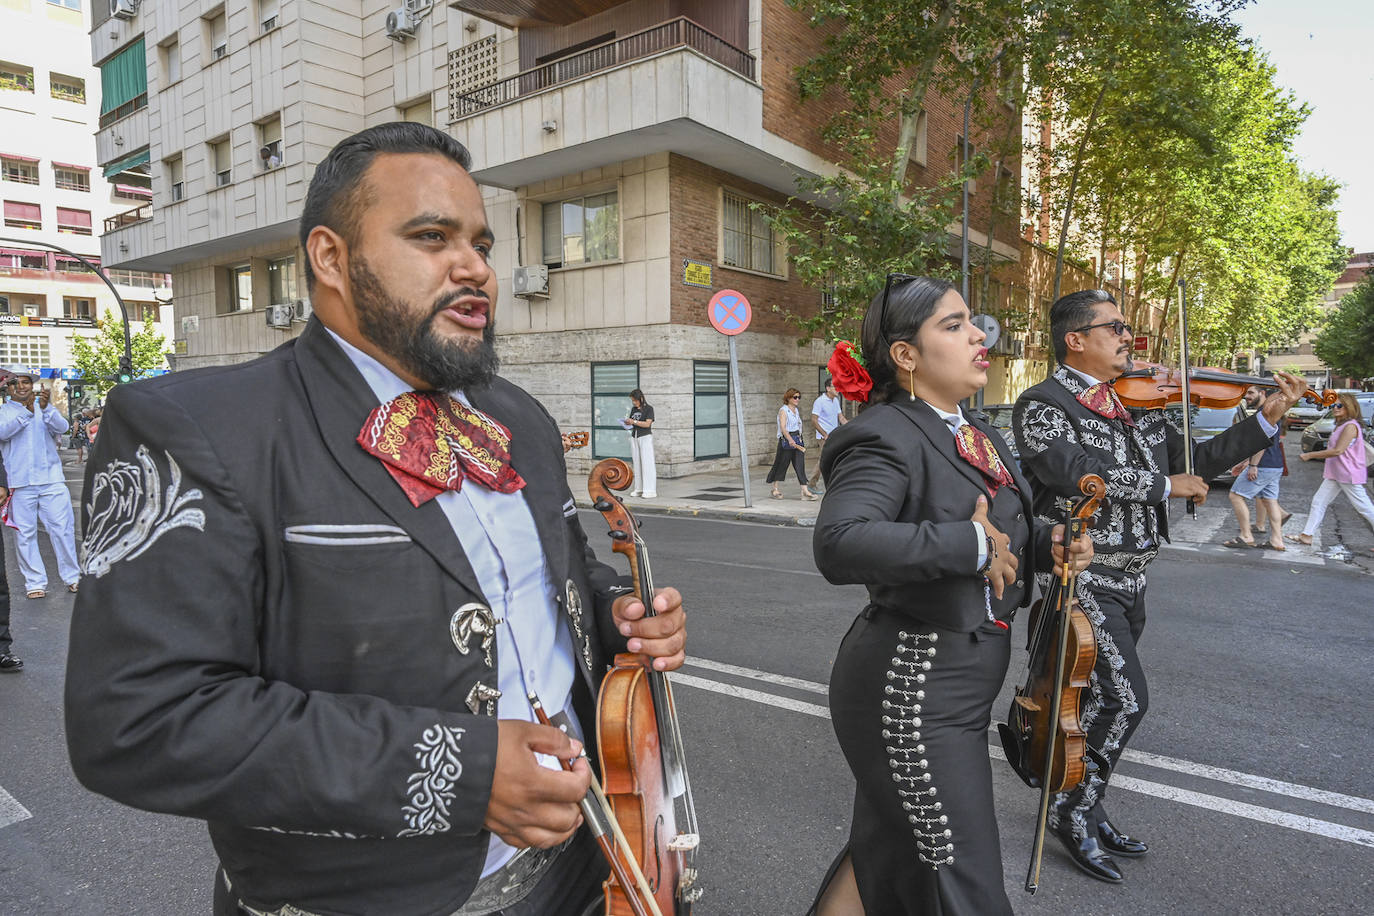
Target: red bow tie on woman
430 442
1101 399
977 449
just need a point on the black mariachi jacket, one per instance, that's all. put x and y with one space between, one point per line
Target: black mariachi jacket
1060 440
896 517
270 637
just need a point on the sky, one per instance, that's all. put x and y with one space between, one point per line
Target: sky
1324 52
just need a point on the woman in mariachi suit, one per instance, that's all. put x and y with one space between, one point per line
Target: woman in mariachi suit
925 506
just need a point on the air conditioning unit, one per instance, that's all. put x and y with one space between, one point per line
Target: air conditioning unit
301 310
401 24
1012 347
531 281
123 9
31 311
279 316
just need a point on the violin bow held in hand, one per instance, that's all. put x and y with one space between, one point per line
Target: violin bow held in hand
643 762
1184 366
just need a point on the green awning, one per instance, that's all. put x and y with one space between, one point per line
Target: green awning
123 77
128 162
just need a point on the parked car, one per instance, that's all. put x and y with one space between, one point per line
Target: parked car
1303 415
1315 436
999 418
1208 422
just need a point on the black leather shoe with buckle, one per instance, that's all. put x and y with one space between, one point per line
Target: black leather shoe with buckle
1090 857
10 662
1117 843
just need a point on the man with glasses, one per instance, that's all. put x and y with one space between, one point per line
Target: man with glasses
1073 424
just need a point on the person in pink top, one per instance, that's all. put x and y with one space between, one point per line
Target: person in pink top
1346 470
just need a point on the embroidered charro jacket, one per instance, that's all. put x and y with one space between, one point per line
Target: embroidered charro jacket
1060 440
270 637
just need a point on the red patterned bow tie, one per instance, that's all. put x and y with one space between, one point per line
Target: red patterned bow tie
430 442
977 449
1101 399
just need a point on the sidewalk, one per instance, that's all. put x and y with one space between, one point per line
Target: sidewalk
716 496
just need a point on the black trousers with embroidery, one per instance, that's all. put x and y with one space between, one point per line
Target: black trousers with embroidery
910 704
1118 698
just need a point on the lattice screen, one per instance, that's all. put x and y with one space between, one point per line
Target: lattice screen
469 67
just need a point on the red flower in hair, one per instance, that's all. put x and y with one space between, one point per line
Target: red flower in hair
847 369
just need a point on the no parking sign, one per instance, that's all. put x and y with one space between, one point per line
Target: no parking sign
729 312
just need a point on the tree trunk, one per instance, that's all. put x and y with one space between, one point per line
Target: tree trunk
911 107
1073 186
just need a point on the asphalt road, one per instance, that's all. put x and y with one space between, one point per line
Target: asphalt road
1249 777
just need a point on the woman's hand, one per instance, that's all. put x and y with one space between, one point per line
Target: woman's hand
1002 572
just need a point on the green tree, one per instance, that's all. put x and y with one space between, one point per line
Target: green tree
97 357
1346 341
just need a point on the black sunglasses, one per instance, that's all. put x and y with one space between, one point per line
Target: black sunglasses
892 280
1118 327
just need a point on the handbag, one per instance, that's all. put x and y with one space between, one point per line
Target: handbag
793 442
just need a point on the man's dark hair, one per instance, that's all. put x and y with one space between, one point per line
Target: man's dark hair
1076 310
828 382
910 303
338 191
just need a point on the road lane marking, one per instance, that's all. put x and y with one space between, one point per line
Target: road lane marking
781 679
791 571
10 810
1146 787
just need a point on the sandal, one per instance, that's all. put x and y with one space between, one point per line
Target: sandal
1280 548
1297 539
775 495
71 587
1237 542
37 593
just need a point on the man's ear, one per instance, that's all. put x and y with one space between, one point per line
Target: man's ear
328 254
1073 342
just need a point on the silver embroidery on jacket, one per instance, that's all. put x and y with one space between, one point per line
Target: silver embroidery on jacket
905 752
129 511
432 787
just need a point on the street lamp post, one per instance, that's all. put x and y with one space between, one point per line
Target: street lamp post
126 362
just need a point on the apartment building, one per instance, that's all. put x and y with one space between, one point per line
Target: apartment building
1300 357
622 147
55 194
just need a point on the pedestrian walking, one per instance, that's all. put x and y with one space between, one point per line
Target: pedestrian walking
80 433
1259 480
826 414
791 446
926 508
313 641
641 420
9 662
38 486
1346 469
1071 424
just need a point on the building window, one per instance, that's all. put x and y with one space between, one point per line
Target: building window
142 311
176 186
73 222
23 259
281 280
69 4
76 308
710 409
21 215
67 88
70 265
919 143
267 14
4 304
25 350
123 84
269 144
16 77
220 161
20 169
141 278
582 230
71 177
421 112
216 35
170 54
241 288
749 242
611 387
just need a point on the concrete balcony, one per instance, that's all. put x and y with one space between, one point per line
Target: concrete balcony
127 236
672 88
124 136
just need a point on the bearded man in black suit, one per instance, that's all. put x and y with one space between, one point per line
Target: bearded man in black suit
319 586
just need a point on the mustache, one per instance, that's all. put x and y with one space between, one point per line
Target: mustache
448 299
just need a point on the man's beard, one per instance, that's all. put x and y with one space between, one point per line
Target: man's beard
395 328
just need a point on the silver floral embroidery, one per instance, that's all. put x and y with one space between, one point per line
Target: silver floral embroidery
573 605
432 787
129 511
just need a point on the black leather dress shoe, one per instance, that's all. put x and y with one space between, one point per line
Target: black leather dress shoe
1090 857
1117 843
10 662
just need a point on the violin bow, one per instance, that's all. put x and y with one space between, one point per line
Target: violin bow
1092 488
1183 382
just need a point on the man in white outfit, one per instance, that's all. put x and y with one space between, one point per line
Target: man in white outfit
825 416
28 425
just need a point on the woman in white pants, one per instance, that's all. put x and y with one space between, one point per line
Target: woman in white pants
641 420
1345 472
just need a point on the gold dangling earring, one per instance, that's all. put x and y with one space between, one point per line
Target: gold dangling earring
911 382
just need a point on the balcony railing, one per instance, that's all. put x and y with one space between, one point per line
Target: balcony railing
675 33
124 110
128 218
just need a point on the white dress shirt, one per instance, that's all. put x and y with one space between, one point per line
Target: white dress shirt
27 445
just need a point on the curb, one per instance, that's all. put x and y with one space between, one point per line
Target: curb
754 516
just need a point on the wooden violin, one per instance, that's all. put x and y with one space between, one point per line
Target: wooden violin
1043 736
1151 385
643 763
